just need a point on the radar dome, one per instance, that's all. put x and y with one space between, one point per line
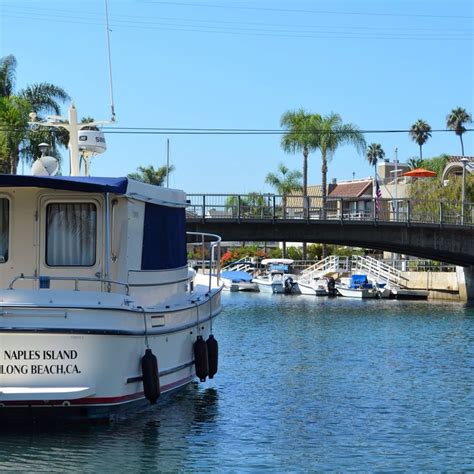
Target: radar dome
92 141
45 166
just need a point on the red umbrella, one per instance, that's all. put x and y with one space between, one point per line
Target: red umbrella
420 173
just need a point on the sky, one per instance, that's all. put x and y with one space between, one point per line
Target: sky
240 64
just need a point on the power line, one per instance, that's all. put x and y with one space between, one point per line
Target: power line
221 131
258 32
323 12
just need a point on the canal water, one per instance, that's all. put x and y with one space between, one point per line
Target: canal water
304 384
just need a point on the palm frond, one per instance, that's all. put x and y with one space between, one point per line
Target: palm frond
7 75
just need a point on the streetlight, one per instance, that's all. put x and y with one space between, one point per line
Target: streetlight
464 161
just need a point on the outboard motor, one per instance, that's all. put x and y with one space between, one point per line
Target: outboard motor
331 286
288 284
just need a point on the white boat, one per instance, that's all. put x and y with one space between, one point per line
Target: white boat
317 287
238 281
99 312
277 277
360 287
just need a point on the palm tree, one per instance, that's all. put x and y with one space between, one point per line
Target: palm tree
151 175
285 183
302 136
374 154
456 120
414 163
420 131
41 98
335 133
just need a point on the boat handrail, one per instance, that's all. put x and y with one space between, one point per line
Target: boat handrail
76 280
214 253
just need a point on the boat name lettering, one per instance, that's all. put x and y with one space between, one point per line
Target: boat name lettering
37 355
37 369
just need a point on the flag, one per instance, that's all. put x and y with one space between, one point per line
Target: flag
378 195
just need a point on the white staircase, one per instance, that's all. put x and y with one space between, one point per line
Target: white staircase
328 265
378 271
245 264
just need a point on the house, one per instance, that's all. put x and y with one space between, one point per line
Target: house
355 197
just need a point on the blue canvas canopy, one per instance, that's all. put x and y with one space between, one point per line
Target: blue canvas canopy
236 276
84 184
359 281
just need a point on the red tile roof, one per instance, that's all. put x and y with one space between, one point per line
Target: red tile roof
352 189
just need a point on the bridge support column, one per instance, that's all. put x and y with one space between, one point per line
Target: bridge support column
466 283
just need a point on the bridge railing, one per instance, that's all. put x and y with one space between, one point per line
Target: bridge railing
272 207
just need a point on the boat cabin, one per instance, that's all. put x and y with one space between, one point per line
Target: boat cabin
92 234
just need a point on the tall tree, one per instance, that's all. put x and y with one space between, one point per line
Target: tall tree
40 98
285 183
456 120
302 135
420 131
334 133
374 154
150 175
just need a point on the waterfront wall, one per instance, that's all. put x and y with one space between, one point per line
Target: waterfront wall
441 285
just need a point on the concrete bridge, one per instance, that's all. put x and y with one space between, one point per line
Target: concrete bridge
434 230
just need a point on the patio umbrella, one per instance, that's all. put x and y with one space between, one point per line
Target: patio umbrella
420 173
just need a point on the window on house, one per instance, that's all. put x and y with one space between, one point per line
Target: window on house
4 229
71 234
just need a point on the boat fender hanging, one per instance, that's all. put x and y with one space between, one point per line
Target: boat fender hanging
151 379
212 355
201 359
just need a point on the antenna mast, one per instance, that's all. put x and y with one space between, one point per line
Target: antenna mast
112 119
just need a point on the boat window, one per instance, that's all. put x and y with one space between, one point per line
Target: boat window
4 228
164 238
71 234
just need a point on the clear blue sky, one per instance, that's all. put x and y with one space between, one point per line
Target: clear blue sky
241 64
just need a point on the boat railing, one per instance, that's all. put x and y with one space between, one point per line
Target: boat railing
45 281
213 250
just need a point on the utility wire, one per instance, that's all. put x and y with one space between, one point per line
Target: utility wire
220 131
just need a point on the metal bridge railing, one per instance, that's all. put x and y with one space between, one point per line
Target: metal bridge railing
262 207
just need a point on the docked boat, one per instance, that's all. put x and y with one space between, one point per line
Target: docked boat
317 286
278 277
100 313
360 287
235 280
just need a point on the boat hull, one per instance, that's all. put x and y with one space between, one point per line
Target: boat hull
86 373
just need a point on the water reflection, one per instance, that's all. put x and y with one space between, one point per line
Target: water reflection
154 439
303 384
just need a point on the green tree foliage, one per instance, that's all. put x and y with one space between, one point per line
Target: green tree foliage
436 164
285 183
333 134
374 154
302 135
150 175
456 120
16 141
420 131
428 194
415 163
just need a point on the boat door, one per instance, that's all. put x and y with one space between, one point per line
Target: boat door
70 241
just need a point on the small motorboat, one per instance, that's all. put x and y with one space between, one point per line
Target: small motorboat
235 280
278 277
360 287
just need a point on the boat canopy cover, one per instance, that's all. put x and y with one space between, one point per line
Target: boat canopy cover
359 281
236 276
83 184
